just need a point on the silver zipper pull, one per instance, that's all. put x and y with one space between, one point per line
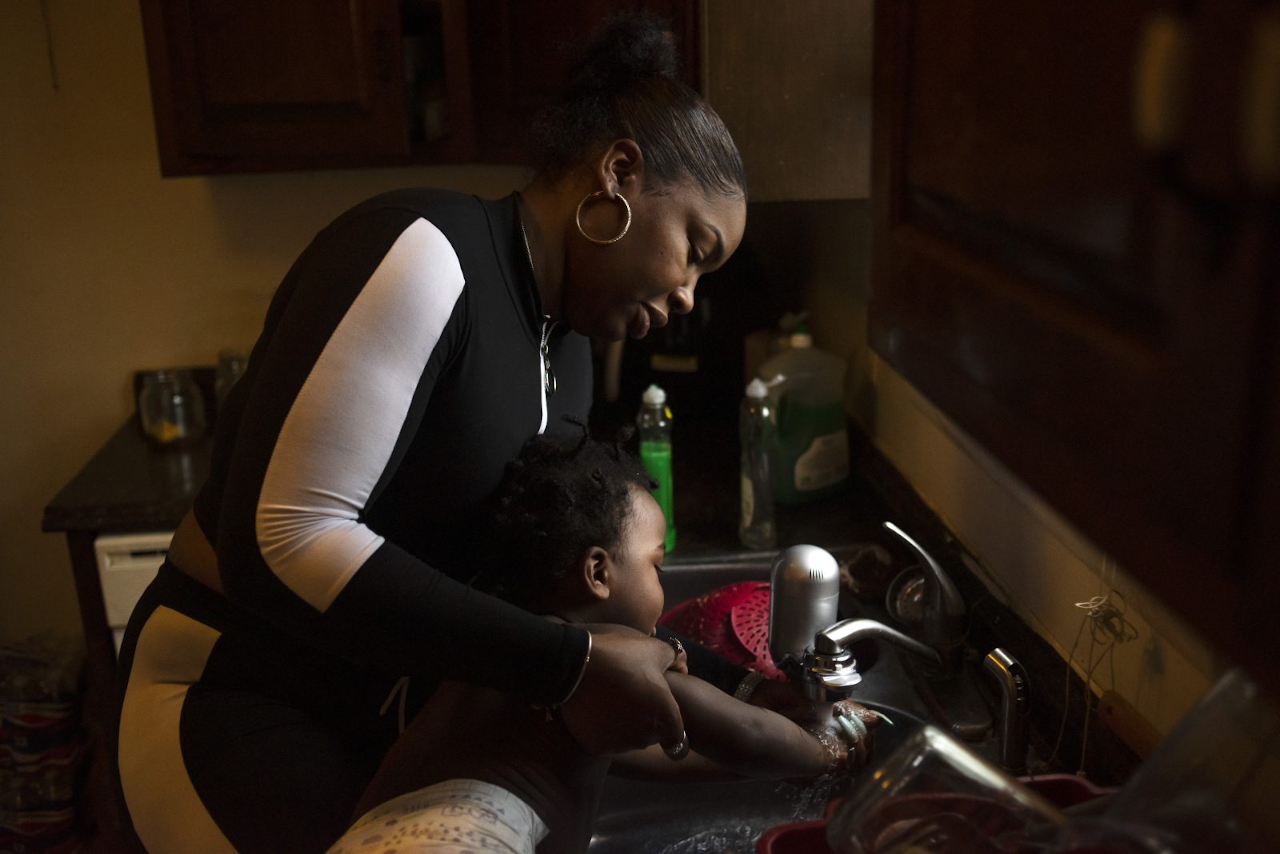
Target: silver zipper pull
548 375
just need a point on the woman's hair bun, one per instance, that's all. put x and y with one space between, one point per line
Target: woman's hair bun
627 50
625 85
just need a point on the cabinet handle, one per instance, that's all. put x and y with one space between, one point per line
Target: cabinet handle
1159 81
1260 105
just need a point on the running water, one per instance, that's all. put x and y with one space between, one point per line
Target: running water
802 804
731 840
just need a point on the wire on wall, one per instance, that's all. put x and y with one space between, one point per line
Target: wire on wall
1108 628
48 43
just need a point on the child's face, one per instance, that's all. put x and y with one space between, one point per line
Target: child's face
635 596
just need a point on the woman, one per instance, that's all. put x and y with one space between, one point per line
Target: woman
407 355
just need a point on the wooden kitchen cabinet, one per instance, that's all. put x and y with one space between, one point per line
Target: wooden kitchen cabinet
792 82
241 86
1075 258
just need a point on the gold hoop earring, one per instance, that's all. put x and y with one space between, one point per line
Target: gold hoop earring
625 228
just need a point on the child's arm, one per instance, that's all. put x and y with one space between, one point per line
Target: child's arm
727 737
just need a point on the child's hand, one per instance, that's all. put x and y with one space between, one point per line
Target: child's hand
856 722
850 736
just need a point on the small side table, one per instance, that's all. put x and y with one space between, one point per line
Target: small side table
127 486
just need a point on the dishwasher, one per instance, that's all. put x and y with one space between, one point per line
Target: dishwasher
126 565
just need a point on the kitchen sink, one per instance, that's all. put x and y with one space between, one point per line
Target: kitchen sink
638 817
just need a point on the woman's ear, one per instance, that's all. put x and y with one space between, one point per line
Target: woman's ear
621 167
597 573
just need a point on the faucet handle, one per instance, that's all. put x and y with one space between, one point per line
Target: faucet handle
836 672
1015 700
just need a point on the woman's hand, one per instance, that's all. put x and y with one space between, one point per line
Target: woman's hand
623 701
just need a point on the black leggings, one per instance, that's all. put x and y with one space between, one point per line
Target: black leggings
234 737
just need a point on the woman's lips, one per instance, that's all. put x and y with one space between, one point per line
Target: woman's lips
638 326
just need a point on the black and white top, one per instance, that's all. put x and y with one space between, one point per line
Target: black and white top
398 371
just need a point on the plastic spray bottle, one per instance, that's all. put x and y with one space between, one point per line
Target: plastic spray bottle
654 423
756 527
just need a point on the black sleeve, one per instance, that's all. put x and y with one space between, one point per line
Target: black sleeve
365 323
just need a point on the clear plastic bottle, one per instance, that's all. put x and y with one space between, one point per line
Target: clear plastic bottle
654 423
756 527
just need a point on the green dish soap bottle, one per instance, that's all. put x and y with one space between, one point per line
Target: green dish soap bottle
654 424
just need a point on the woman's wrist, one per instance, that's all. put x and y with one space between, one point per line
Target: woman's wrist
573 688
586 659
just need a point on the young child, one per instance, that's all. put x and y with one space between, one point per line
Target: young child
478 770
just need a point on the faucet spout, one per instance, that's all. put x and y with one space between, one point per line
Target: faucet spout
943 625
835 639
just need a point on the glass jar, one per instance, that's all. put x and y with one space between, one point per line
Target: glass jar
171 407
230 367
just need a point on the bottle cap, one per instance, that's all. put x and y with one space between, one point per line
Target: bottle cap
654 396
757 389
800 337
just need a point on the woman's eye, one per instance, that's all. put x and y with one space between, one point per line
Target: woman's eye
694 255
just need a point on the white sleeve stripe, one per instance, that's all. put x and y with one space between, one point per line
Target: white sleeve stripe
343 426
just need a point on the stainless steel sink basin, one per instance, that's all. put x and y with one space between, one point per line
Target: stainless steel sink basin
672 818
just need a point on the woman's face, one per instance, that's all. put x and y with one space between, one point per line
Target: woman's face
635 594
629 287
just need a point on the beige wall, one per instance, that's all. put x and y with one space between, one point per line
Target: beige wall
106 268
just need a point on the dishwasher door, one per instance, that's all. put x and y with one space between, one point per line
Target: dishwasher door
126 565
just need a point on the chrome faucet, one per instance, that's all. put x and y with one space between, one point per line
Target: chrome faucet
943 624
829 669
1015 701
804 590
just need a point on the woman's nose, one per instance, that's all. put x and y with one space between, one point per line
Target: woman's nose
681 299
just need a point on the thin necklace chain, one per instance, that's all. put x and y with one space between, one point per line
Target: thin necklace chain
544 350
525 237
527 252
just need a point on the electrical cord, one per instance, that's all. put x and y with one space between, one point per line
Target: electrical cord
1108 628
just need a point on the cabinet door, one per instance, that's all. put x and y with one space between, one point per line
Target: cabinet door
521 50
792 82
1057 281
245 79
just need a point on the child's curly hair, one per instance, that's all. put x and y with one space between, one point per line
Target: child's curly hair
558 498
